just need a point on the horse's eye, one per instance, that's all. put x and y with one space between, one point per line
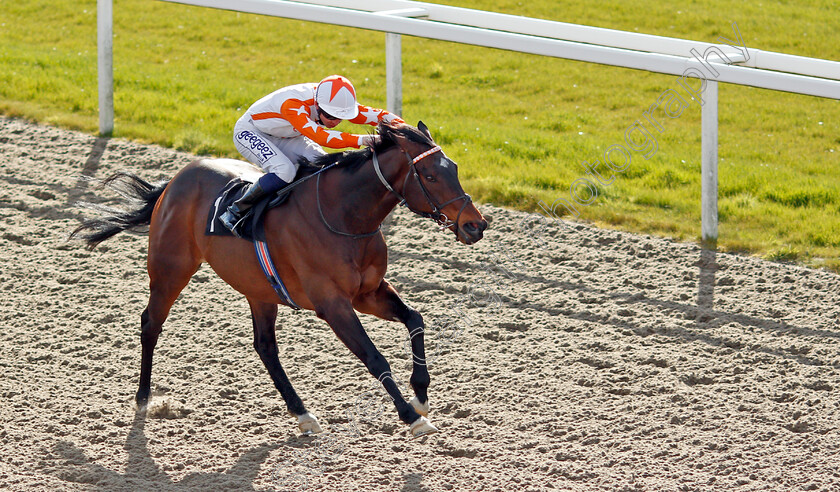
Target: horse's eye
430 178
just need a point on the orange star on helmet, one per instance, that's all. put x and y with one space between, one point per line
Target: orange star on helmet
337 96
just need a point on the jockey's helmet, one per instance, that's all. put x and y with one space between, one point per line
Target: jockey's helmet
337 97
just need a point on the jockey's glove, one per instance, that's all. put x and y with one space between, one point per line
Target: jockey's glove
368 140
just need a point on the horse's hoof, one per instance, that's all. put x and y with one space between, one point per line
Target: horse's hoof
140 405
422 427
308 424
421 408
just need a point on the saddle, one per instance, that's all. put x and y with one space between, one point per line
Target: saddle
251 226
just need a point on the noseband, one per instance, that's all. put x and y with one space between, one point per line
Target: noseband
436 214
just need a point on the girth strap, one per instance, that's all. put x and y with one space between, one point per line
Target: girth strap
271 274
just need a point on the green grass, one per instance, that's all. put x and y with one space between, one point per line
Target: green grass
519 125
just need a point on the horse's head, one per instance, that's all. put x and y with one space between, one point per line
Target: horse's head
431 187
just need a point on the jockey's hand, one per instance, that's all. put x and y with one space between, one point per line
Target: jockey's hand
369 140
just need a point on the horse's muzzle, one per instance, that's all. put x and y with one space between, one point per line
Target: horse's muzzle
472 232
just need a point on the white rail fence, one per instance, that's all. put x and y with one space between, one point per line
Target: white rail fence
734 63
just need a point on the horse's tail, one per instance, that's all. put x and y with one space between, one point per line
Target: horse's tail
139 194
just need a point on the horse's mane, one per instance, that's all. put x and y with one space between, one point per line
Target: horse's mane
351 160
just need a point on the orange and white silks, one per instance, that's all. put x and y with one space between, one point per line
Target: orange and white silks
289 112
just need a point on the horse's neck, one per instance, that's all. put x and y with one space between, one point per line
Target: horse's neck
365 200
393 170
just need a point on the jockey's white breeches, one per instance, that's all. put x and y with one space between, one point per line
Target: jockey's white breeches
273 154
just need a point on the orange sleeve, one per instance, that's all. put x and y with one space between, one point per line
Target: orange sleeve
372 116
296 112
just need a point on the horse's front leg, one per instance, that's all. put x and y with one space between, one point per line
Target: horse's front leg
385 303
338 312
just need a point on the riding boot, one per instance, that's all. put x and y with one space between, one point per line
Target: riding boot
270 183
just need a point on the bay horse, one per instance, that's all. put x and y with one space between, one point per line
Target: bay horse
325 242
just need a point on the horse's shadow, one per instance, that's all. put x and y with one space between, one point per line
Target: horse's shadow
70 464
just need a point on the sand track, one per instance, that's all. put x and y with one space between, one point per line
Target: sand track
605 361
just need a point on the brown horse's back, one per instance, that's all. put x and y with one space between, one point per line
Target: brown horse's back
198 184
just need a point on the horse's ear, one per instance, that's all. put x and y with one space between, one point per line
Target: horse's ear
423 128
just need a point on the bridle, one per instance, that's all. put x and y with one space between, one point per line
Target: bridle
436 214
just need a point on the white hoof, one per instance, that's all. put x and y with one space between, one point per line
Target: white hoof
421 408
422 427
308 424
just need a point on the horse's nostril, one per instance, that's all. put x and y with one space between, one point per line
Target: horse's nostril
474 229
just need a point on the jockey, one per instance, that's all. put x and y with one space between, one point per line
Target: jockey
294 122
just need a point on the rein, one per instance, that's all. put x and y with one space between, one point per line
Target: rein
324 219
317 173
292 186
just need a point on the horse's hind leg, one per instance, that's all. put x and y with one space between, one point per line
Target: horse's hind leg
265 343
169 273
385 303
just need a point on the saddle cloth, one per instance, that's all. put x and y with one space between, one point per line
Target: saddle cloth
251 227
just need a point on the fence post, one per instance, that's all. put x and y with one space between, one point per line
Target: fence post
709 165
393 59
393 72
105 53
